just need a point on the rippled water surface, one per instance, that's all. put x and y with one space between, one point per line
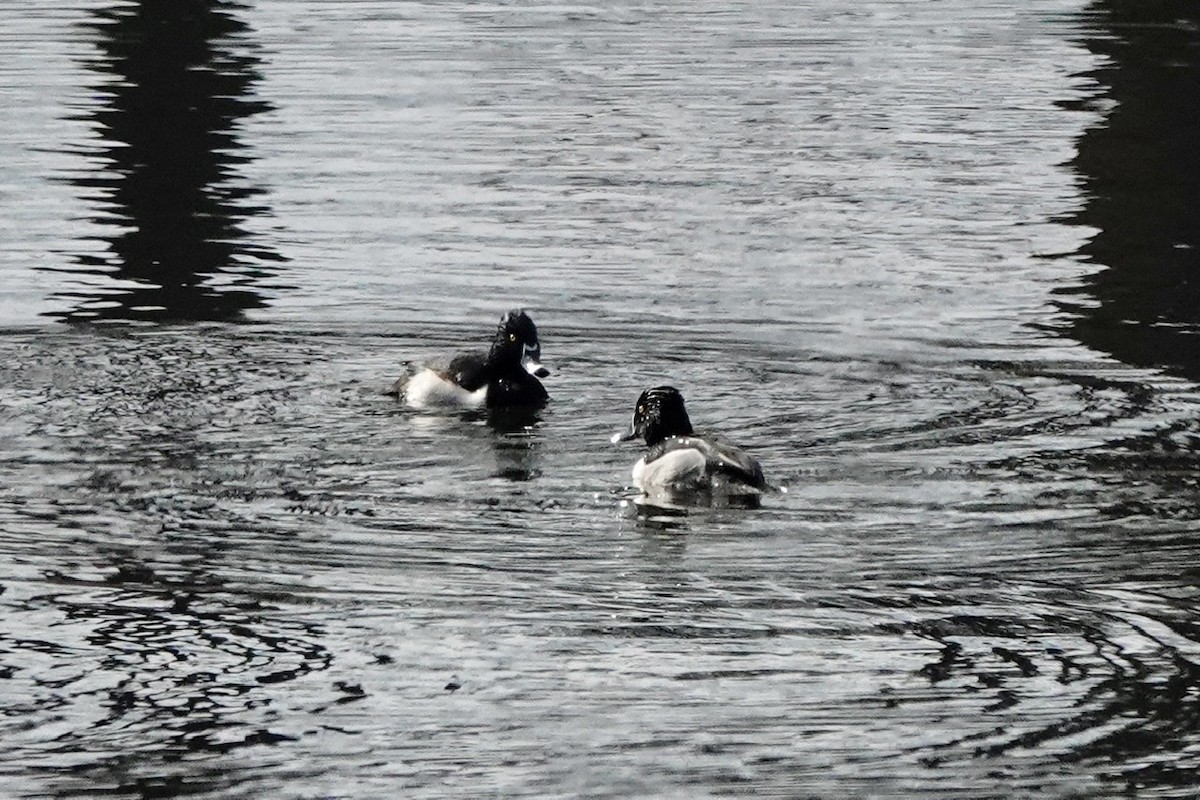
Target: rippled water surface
929 262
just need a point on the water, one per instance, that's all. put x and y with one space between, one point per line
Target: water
914 257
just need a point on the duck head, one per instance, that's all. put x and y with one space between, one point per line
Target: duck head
659 414
517 342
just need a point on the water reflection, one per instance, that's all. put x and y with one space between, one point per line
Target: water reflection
1139 173
513 421
176 82
1135 672
184 670
664 508
511 435
517 456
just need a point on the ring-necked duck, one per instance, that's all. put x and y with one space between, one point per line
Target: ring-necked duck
506 377
680 460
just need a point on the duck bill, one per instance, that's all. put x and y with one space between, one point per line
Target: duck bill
624 436
531 360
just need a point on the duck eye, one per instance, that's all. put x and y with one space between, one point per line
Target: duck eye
512 337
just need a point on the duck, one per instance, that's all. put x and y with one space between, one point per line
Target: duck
504 377
679 460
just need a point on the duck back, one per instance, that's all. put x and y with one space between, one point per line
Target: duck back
700 462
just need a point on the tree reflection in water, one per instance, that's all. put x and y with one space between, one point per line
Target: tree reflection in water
177 82
1140 173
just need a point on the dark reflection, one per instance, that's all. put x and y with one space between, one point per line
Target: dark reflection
1138 712
512 434
1140 172
678 503
658 516
177 79
515 420
518 456
185 668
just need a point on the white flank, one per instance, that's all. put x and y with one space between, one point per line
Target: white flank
427 389
678 468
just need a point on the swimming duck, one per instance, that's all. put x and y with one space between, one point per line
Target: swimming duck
505 377
680 460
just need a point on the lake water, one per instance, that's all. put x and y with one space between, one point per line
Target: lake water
930 262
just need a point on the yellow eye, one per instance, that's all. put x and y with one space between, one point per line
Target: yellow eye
512 337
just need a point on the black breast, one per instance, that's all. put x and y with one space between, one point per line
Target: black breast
516 388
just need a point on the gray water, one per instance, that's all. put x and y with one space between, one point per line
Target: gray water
903 253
